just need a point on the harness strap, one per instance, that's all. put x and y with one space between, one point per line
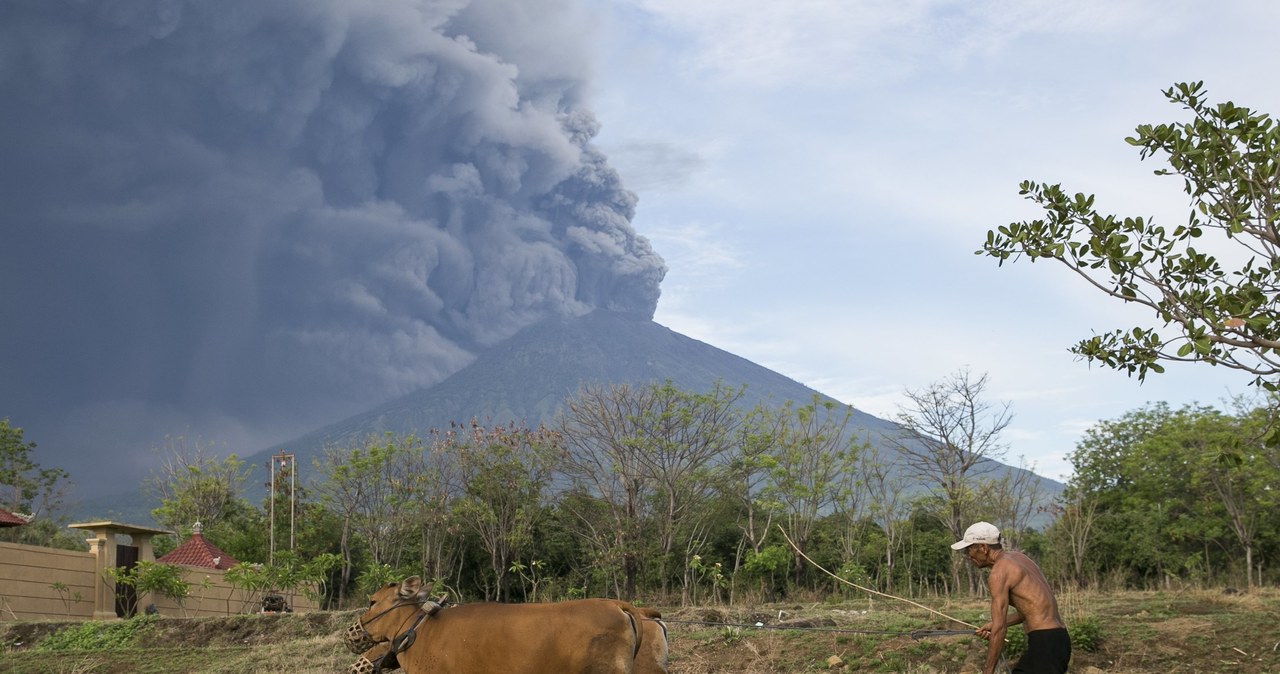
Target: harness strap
389 609
404 640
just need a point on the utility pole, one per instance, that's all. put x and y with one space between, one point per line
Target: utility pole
282 465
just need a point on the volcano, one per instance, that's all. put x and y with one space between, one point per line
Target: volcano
527 378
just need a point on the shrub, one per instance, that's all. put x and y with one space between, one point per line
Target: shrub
163 579
1015 642
1086 634
98 636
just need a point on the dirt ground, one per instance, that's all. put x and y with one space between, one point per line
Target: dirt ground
1136 633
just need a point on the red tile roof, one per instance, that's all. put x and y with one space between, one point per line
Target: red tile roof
8 519
196 551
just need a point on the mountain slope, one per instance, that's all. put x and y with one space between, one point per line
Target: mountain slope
528 377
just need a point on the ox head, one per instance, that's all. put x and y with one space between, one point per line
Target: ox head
389 609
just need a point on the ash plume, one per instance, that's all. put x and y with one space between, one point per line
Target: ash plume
239 219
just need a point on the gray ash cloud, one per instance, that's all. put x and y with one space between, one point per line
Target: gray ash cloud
238 219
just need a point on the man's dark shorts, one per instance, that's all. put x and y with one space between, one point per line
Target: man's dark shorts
1048 652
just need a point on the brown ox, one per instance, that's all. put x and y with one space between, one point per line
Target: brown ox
652 657
587 636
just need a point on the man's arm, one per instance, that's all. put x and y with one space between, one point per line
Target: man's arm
998 582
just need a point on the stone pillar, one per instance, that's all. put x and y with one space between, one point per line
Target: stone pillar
103 547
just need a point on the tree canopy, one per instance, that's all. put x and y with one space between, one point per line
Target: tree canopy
1211 282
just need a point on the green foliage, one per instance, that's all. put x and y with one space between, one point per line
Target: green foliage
376 576
506 472
1015 642
30 489
66 595
771 560
287 574
98 636
1175 493
855 573
1086 634
709 574
195 486
731 635
1227 157
163 579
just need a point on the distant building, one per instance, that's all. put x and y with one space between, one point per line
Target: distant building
8 519
196 551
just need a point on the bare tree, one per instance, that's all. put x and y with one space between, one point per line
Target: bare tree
1075 519
1012 500
948 437
654 454
599 428
888 505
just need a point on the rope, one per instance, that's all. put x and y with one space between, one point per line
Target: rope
866 589
1002 665
914 634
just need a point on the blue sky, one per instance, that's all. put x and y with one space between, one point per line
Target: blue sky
818 175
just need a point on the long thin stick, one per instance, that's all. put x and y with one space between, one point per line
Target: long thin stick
865 589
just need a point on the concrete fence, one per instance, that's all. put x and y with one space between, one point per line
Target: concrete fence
44 583
49 584
212 595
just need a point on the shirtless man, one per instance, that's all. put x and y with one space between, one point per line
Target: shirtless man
1016 580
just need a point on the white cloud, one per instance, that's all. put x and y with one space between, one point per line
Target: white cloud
863 149
824 44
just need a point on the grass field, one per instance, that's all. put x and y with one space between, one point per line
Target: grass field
1122 633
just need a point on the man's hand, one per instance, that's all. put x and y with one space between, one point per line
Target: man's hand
984 631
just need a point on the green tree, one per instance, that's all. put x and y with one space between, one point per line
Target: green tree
1230 474
753 461
193 485
25 486
374 491
1116 468
1164 493
813 464
888 506
685 439
1219 294
28 488
506 472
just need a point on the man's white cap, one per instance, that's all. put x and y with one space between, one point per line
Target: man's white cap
982 532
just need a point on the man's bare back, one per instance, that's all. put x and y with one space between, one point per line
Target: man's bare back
1027 589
